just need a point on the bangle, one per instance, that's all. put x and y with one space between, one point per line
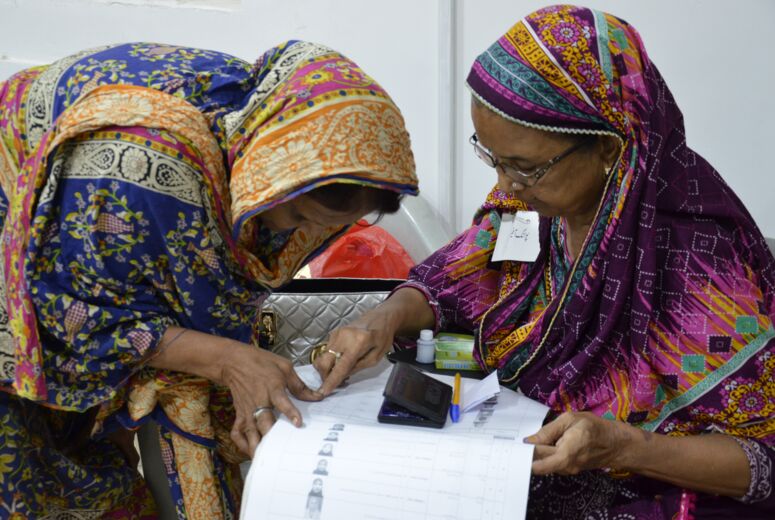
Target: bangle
760 486
617 473
173 340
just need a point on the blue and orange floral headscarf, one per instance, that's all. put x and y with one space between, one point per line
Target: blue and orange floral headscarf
304 116
314 118
103 253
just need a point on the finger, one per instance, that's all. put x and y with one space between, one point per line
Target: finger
558 462
545 466
541 452
369 360
264 422
300 390
283 404
341 370
324 363
551 432
253 438
240 439
375 354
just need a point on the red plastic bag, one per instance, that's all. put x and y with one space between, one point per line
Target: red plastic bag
363 252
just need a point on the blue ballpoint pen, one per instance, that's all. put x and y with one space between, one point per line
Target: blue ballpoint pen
454 409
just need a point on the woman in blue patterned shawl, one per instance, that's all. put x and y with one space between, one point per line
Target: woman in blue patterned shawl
152 196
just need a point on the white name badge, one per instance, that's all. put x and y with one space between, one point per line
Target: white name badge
518 238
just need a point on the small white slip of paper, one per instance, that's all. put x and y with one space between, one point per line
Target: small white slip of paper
518 238
473 392
309 376
476 393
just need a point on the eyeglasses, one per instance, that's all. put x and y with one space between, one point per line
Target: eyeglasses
515 174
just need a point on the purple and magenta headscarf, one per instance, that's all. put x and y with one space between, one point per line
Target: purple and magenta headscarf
664 320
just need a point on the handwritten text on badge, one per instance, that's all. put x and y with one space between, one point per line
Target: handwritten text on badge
518 238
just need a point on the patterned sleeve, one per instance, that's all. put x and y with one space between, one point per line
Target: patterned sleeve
126 247
760 457
458 280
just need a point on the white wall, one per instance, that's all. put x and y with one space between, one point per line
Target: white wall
715 55
389 45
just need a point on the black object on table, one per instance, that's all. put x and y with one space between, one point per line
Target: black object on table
408 356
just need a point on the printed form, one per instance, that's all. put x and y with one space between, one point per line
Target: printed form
344 464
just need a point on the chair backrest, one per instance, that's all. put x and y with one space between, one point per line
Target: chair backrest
418 227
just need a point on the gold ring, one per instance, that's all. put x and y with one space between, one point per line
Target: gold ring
316 351
322 348
259 410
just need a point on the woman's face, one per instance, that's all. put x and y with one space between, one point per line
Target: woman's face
305 213
571 188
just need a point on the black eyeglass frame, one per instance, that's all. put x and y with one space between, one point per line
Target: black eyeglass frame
539 171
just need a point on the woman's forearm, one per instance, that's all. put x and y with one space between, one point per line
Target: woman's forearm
410 312
711 463
193 352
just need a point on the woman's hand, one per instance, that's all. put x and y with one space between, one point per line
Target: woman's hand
258 378
255 377
579 441
361 344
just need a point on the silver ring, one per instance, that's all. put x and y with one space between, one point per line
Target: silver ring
259 410
514 185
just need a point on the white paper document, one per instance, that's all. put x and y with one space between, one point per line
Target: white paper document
475 394
518 238
343 464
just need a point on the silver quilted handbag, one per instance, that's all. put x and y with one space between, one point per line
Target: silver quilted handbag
302 314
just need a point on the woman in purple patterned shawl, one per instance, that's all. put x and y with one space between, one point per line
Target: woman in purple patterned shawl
645 321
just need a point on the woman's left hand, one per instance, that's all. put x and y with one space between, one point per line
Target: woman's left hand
578 441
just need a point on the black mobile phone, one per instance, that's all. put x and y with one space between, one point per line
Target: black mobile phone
419 393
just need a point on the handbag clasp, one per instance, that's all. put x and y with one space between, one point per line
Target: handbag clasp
268 329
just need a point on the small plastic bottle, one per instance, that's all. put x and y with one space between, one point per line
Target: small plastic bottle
426 347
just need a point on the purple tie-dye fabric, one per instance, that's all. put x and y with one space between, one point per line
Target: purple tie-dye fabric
664 320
